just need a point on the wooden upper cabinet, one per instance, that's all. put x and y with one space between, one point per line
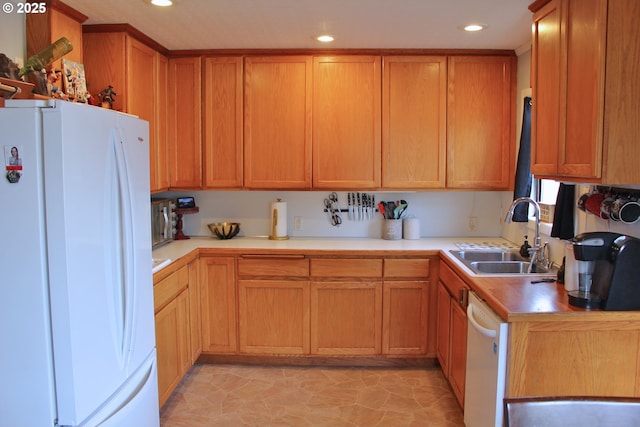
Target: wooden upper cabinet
105 63
480 122
160 147
138 74
144 73
585 91
414 105
545 81
222 127
569 40
277 122
346 122
58 21
185 142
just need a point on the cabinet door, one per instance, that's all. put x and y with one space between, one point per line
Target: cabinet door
185 157
346 122
218 304
172 342
142 78
160 147
458 350
584 46
277 122
480 122
105 64
273 316
222 105
444 327
545 81
195 323
346 318
59 20
405 317
414 102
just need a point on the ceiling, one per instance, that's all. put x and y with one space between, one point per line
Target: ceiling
288 24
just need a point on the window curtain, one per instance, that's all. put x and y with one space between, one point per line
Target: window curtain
522 186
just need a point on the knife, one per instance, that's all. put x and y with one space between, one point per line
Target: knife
359 208
373 206
350 206
365 198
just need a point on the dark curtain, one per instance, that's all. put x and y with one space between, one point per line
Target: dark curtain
522 186
563 227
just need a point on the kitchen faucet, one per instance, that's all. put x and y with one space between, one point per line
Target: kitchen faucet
539 254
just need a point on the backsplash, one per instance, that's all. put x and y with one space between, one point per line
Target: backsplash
441 213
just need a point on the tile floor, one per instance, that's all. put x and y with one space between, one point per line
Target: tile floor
268 396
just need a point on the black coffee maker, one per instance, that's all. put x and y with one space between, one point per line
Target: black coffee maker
608 271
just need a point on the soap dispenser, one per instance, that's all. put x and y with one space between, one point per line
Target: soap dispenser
524 249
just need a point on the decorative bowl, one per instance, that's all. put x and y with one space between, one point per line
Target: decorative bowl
224 230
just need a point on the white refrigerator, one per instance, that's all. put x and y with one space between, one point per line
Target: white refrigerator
76 291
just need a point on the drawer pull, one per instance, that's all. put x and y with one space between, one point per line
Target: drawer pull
267 256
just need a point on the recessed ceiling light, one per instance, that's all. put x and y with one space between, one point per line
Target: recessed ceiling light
474 27
325 38
162 3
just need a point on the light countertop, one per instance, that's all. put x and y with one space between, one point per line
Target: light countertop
513 297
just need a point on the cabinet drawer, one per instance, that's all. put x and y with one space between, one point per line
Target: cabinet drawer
278 266
333 267
396 267
168 288
451 280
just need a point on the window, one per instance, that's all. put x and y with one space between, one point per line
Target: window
545 192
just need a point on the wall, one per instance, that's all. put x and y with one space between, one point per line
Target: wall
441 213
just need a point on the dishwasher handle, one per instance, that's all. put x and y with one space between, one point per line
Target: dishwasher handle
484 331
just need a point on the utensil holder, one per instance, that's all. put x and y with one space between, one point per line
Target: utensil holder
392 229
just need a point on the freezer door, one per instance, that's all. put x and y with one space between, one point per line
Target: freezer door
135 404
97 221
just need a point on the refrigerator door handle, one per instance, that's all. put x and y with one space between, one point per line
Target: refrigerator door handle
122 254
129 252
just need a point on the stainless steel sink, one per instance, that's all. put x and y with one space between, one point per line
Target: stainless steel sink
498 262
488 255
506 267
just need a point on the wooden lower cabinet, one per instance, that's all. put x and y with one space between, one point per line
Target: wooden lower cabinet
195 313
444 326
594 355
300 305
273 316
171 300
346 318
458 361
451 336
218 304
405 317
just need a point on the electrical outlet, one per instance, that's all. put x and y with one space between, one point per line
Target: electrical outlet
473 223
297 223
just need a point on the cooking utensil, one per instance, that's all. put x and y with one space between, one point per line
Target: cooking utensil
331 204
382 208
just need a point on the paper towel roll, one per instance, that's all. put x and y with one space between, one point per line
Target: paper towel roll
411 228
278 220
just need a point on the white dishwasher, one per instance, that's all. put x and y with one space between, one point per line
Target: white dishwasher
486 365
